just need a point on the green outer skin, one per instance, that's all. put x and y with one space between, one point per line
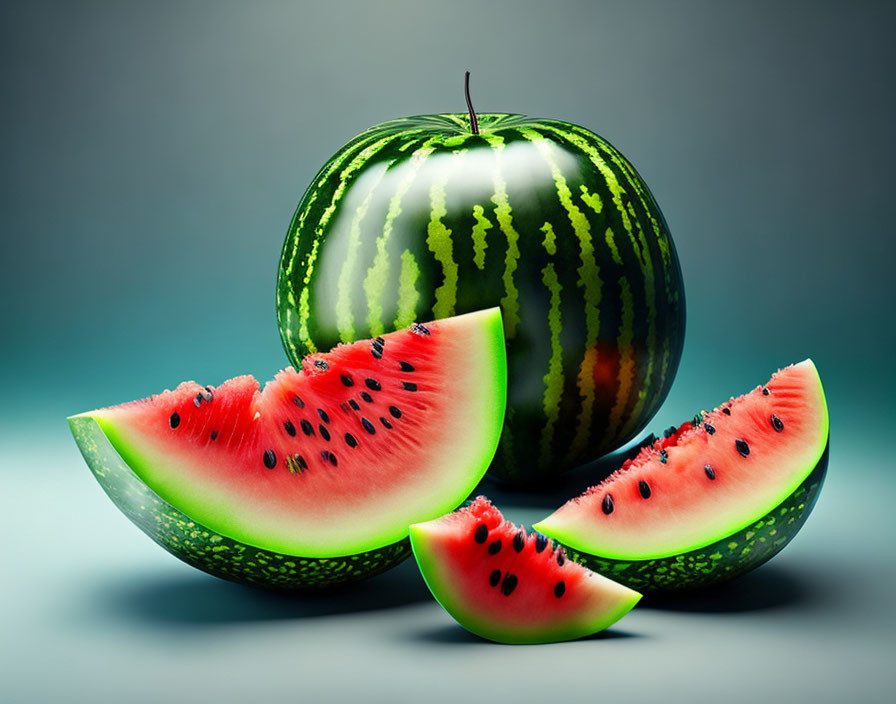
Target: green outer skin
207 550
417 218
724 559
477 622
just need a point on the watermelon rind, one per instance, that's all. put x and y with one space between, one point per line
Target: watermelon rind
453 472
210 551
728 557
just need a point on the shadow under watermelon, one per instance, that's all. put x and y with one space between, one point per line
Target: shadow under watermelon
192 598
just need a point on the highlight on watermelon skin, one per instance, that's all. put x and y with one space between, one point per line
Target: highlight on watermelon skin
314 478
712 499
511 587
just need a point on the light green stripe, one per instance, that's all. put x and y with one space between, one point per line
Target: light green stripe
438 239
642 253
550 239
589 280
378 273
626 372
510 305
553 380
592 200
345 318
344 177
407 290
478 235
611 243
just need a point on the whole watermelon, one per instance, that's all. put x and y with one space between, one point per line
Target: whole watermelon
420 218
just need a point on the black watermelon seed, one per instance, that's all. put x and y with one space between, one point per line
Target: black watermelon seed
379 341
409 386
299 402
710 472
519 542
386 424
709 429
406 366
290 428
373 384
324 433
419 329
509 584
669 432
561 557
174 420
333 460
376 351
321 364
742 447
325 455
214 435
726 411
354 404
306 427
197 401
494 578
559 589
765 391
347 380
293 464
541 542
607 504
777 423
366 397
644 488
323 415
350 440
494 548
302 463
481 534
368 426
270 459
664 456
395 412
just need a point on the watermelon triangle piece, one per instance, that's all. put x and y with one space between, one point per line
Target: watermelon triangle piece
334 460
713 497
508 586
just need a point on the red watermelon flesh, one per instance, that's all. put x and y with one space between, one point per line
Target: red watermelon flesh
337 458
510 587
704 481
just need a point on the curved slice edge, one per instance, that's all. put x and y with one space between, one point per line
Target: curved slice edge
574 528
607 601
203 548
453 476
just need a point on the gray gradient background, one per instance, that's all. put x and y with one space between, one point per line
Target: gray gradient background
152 155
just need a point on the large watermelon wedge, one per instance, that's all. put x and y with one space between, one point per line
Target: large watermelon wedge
510 587
712 499
320 472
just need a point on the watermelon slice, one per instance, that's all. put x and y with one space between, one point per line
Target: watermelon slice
510 587
333 461
713 498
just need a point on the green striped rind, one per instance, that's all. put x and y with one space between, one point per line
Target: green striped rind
418 218
724 559
207 550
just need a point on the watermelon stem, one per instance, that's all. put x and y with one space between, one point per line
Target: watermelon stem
474 121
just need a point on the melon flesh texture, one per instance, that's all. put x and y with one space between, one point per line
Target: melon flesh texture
760 447
525 591
336 459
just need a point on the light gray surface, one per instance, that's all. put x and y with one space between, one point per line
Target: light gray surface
92 611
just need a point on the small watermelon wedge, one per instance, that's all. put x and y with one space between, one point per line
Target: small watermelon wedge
315 478
510 587
711 499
